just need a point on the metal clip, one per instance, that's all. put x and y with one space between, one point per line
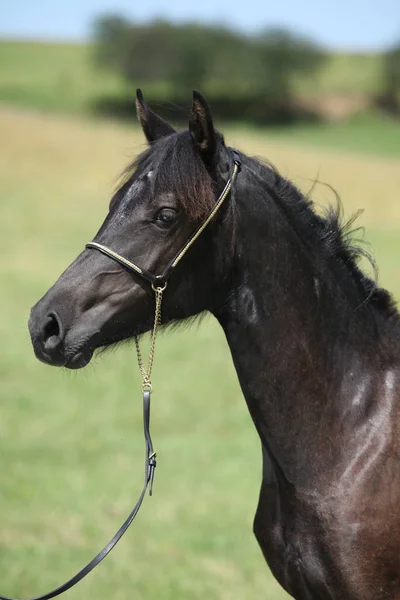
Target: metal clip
236 158
152 467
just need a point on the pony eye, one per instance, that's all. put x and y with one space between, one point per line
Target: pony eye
166 215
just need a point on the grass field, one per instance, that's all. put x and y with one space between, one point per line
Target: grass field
364 134
71 444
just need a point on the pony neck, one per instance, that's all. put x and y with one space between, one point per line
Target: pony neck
300 342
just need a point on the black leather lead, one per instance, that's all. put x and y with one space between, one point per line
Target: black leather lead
150 465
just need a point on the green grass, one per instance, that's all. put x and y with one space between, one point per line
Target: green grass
52 76
366 133
71 446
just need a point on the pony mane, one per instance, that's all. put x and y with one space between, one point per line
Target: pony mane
328 232
339 237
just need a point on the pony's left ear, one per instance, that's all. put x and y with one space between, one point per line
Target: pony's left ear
154 127
201 126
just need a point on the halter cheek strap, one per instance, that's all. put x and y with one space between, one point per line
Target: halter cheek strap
158 284
123 261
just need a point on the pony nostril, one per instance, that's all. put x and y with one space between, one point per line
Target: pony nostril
52 331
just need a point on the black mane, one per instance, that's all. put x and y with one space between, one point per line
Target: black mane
327 233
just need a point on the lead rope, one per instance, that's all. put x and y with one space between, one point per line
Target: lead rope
147 388
150 460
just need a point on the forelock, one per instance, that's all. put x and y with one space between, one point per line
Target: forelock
176 168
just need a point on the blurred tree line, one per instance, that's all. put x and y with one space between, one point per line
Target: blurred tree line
250 78
245 77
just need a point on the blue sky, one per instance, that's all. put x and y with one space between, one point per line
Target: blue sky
341 24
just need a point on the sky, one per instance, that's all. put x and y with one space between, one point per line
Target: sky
356 25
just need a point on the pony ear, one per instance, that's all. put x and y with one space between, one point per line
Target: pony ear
154 127
201 126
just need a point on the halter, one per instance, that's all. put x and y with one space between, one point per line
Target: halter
158 285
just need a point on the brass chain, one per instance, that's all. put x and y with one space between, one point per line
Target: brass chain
146 372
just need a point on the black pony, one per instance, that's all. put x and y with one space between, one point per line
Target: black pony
315 344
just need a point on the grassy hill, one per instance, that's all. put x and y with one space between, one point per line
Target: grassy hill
52 76
62 76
